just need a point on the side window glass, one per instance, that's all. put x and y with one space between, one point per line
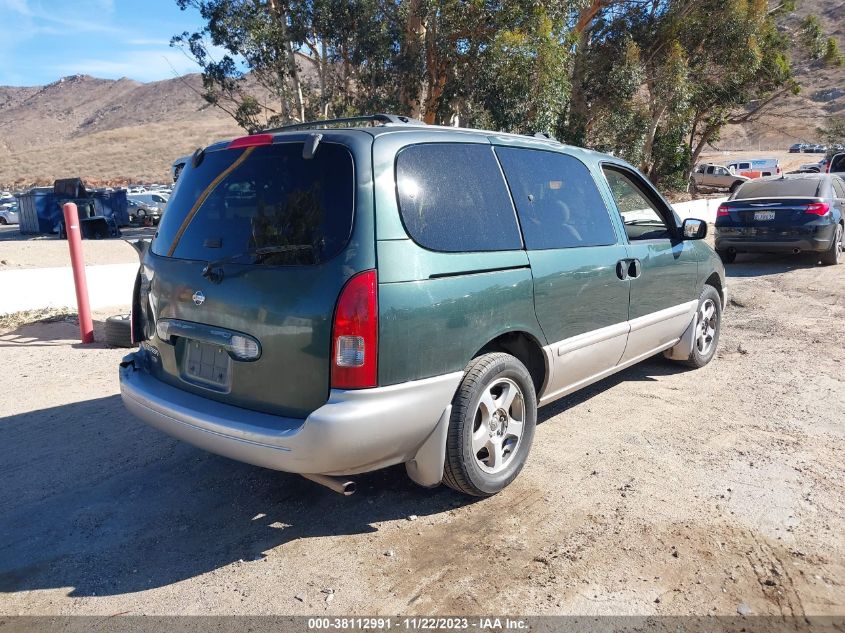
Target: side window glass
640 216
711 170
839 188
557 199
453 197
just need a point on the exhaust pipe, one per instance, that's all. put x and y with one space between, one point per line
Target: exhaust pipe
795 251
345 487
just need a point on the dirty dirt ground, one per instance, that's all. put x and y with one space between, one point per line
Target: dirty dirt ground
658 491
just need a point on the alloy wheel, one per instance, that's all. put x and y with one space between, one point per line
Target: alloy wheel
499 422
706 326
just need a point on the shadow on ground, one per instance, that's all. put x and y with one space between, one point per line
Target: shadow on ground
645 371
99 503
763 264
53 332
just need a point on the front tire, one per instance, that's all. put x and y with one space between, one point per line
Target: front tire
833 255
708 325
494 413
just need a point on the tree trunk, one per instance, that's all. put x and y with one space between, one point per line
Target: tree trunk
291 70
657 112
415 34
436 72
702 141
577 122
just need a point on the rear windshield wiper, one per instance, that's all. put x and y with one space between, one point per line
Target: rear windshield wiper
213 272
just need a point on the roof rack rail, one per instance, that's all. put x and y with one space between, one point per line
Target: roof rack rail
383 119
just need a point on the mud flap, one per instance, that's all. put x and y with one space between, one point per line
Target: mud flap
426 469
683 348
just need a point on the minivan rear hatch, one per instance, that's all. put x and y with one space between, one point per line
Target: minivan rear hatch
247 265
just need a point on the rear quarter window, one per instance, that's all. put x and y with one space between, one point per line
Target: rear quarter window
452 197
557 199
260 197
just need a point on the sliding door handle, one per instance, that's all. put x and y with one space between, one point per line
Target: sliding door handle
622 267
635 268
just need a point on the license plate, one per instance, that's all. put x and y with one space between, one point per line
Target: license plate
764 215
207 364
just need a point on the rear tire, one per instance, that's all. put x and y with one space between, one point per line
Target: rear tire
727 257
118 331
708 325
3 221
833 255
494 413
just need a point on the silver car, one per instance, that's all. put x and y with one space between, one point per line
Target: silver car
9 214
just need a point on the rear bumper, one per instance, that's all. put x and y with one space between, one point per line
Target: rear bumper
355 431
750 240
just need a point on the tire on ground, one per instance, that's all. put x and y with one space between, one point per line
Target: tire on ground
118 331
462 470
833 255
700 357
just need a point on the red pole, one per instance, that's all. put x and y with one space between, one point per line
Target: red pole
77 262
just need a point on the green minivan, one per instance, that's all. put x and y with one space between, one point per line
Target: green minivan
337 297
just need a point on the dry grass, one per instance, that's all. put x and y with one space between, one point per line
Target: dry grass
15 320
129 154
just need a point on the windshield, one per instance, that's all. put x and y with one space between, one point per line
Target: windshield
268 196
779 188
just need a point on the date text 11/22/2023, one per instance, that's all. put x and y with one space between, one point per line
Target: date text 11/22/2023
419 623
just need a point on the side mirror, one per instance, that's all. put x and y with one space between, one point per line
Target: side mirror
694 229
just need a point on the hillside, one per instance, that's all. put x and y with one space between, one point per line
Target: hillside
103 129
795 118
119 130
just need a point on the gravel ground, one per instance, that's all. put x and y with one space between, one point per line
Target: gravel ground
45 251
658 491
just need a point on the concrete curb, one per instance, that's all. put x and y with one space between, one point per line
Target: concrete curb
35 288
703 209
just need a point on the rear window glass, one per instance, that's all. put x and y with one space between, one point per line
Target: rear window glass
452 197
272 198
779 188
558 203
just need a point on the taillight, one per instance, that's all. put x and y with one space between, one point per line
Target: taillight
817 208
251 141
722 211
355 334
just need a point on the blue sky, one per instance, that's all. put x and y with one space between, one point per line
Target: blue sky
43 40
